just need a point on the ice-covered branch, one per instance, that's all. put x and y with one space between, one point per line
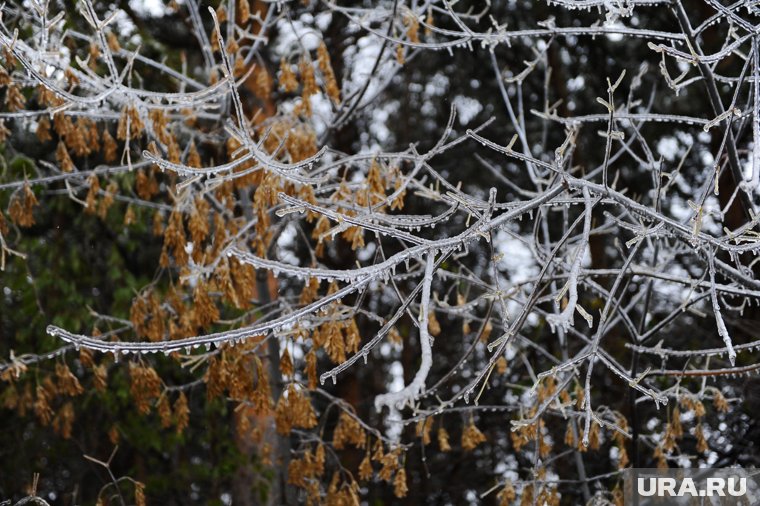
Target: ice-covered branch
408 394
722 330
564 320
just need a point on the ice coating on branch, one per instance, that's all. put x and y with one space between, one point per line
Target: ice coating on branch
722 330
397 400
564 319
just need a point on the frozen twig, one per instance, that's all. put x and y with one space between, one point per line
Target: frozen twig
722 330
564 320
397 400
